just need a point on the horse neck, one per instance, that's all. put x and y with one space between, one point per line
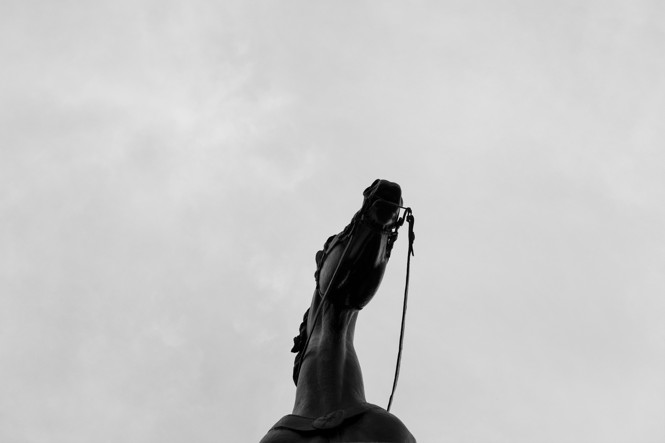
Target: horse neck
330 376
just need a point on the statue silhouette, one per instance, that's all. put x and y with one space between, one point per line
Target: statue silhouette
330 403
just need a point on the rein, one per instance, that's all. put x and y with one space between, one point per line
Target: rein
408 214
408 217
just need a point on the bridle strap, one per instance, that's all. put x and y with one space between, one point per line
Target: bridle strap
412 237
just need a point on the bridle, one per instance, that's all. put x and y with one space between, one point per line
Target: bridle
392 233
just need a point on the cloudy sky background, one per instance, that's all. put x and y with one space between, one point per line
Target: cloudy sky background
169 169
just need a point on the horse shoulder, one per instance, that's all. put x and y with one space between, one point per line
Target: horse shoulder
288 436
381 425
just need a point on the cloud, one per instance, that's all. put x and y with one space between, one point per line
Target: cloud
168 172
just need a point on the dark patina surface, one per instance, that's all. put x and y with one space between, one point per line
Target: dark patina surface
330 403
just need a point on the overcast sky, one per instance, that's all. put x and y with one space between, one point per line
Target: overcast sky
168 171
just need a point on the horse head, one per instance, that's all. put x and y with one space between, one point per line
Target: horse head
351 264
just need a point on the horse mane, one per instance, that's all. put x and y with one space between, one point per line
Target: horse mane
299 346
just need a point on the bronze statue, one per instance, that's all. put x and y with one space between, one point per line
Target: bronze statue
330 401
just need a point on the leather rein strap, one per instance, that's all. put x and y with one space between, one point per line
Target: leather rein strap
408 215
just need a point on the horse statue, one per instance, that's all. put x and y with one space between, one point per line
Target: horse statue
330 401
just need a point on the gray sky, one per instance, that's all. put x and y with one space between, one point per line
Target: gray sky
168 170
